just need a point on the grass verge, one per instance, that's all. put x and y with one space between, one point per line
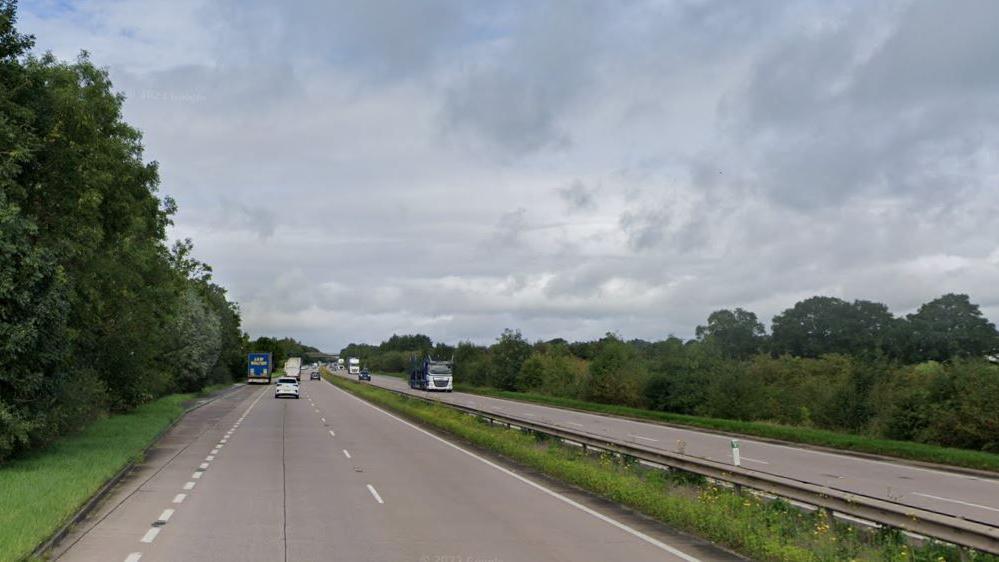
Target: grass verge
761 530
39 492
979 460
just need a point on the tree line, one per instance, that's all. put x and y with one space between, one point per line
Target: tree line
280 349
930 376
98 313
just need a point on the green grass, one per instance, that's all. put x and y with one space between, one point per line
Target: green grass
766 531
39 492
794 434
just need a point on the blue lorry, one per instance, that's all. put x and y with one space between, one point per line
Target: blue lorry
259 368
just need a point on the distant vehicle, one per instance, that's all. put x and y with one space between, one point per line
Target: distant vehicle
315 376
259 368
354 366
364 375
293 367
286 386
339 364
428 374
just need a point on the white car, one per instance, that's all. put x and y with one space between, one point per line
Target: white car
286 386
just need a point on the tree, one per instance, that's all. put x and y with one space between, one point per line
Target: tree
821 325
508 355
33 313
737 333
616 374
948 327
197 332
92 303
472 364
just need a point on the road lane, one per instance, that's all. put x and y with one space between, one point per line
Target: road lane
972 497
115 529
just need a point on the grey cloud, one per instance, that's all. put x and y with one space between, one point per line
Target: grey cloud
509 228
747 154
578 196
882 103
514 94
384 40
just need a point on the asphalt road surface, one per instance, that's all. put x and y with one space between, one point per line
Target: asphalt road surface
331 477
969 496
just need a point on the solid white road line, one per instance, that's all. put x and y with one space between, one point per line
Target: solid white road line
643 437
203 465
150 534
979 506
179 498
754 460
134 557
375 493
166 515
346 454
189 486
633 532
575 424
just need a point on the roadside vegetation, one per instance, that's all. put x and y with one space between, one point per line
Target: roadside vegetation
99 313
761 530
41 490
924 386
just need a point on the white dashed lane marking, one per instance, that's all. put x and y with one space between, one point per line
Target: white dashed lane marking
375 493
134 557
166 515
189 486
346 454
332 434
203 465
150 534
179 498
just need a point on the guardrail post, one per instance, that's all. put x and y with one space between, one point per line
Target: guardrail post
737 461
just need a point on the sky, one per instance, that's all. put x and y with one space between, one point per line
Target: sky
359 168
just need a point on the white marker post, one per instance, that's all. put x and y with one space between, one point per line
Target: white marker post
736 459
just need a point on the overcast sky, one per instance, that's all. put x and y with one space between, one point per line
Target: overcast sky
360 168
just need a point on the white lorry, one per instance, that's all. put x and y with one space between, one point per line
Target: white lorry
293 368
353 366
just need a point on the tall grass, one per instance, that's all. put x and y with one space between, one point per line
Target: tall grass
762 530
41 491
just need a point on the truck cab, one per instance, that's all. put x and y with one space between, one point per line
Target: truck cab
428 374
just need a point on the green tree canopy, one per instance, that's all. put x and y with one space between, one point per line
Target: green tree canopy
948 327
737 333
820 325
